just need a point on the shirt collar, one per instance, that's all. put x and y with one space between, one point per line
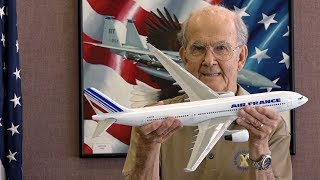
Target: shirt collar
241 91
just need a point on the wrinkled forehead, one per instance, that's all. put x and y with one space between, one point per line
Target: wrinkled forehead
213 10
211 25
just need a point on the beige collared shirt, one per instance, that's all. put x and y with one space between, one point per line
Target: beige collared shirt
227 160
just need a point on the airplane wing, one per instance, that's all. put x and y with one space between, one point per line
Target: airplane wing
122 51
172 54
195 89
210 131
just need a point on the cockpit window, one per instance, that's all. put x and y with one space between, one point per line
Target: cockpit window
300 98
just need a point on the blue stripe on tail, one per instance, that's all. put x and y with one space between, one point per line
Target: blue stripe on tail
103 101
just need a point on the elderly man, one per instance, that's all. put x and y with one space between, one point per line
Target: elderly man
213 50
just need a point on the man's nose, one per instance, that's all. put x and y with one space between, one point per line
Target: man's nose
209 58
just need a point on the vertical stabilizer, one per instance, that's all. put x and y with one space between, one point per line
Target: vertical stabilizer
110 35
102 104
132 37
101 101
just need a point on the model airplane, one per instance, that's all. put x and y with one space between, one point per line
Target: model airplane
133 49
210 111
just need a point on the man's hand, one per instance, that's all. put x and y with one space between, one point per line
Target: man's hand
159 131
150 137
260 122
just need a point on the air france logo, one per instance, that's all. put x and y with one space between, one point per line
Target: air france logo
254 103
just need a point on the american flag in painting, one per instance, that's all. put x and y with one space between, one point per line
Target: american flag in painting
269 50
121 79
10 94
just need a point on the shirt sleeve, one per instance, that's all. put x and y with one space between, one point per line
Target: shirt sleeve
280 151
131 155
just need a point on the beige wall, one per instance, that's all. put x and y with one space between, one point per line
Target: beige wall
48 37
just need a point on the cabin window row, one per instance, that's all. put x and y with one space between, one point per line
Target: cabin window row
213 112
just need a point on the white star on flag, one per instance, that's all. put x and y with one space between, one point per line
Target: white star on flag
267 20
2 171
17 45
3 39
13 129
11 99
15 100
17 74
241 12
286 60
2 12
11 156
287 33
260 54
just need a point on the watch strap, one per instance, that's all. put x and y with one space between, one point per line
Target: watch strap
263 164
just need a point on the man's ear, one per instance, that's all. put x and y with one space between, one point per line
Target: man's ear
182 53
242 57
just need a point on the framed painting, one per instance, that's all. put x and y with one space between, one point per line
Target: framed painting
110 30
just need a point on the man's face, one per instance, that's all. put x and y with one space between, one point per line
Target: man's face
207 34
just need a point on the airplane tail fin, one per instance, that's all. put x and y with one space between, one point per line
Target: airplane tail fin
110 36
102 104
132 36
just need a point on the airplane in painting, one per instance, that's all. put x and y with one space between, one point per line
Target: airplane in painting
133 49
212 112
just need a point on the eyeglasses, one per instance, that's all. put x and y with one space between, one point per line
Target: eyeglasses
221 50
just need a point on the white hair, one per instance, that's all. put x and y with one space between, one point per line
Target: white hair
241 29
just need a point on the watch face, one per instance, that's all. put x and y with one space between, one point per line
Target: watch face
266 162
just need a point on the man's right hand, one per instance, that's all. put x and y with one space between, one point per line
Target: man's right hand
150 137
158 131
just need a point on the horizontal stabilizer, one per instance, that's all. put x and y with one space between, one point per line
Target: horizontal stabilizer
102 126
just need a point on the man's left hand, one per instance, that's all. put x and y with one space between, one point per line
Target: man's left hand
260 123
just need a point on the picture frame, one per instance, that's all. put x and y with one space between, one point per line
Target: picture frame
137 80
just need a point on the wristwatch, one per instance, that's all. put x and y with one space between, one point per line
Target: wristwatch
263 164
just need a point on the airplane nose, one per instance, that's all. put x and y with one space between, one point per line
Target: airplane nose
305 99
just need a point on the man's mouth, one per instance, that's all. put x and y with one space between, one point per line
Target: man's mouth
211 74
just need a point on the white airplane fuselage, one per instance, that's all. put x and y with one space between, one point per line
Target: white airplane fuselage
192 113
